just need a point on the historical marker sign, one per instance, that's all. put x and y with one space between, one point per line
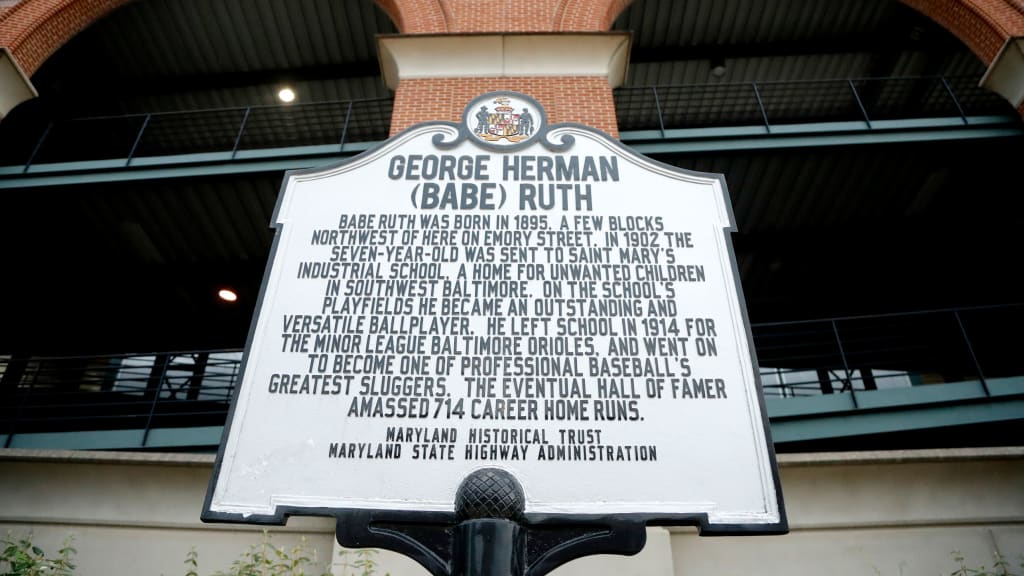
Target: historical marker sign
501 293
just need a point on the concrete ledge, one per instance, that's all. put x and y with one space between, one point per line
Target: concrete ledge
102 457
1005 75
900 456
15 86
503 55
784 460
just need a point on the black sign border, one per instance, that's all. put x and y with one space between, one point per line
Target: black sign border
618 532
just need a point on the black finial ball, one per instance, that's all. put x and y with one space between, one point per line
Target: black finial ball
490 493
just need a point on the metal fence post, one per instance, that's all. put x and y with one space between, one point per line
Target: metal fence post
344 126
846 365
657 105
970 350
241 130
138 138
19 372
154 385
760 106
39 145
856 96
949 90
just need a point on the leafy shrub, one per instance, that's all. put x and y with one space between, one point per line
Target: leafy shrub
1000 567
268 559
20 557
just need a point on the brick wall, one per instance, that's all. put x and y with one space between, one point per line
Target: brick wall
33 29
583 99
982 25
461 16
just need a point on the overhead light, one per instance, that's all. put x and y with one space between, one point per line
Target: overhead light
227 295
718 67
286 95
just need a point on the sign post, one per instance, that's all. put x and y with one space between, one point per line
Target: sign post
500 331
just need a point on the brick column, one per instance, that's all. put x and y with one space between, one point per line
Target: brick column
553 50
994 31
15 86
31 31
571 74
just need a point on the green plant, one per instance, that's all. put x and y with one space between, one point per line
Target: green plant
192 561
361 562
1000 567
20 557
267 559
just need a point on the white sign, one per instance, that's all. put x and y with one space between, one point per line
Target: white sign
501 293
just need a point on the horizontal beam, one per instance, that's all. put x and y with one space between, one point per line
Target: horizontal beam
822 134
792 419
862 413
644 141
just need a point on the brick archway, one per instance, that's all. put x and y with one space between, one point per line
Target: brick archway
416 16
32 30
982 25
471 16
588 15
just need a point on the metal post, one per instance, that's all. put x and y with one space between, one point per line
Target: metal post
760 105
488 547
856 97
154 385
138 138
195 382
344 127
970 350
846 365
949 90
489 534
657 105
489 540
241 130
39 145
11 379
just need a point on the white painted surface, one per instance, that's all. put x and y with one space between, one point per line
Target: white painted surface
1005 75
503 55
712 453
15 86
851 514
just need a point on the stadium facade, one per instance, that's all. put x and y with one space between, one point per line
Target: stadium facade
871 150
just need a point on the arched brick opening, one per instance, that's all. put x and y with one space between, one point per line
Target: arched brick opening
982 25
34 29
416 16
588 15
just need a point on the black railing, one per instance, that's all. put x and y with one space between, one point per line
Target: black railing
227 130
776 103
831 356
116 392
237 130
889 351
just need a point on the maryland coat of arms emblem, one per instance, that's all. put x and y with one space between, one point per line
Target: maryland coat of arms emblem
504 119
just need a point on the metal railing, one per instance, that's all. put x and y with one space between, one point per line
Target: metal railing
876 352
804 358
114 392
225 130
232 131
806 101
